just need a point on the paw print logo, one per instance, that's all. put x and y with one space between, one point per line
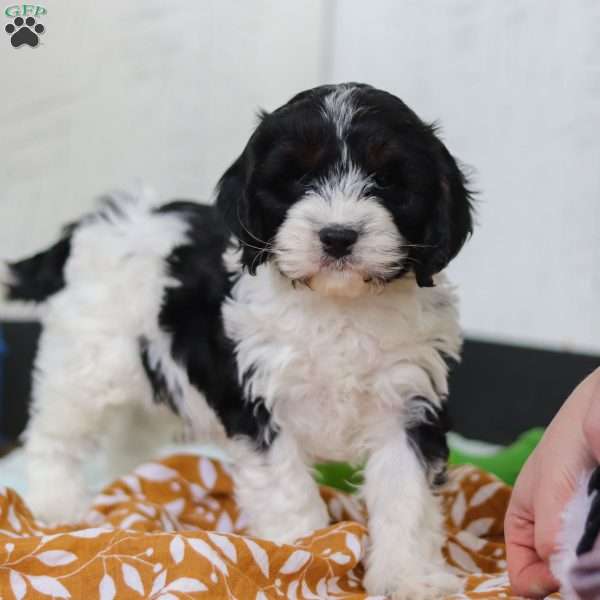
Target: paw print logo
24 32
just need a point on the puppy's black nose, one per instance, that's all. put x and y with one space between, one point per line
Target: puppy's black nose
338 241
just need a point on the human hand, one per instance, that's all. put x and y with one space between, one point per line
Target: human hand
570 447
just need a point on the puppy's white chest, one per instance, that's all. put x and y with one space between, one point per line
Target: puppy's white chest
329 371
328 391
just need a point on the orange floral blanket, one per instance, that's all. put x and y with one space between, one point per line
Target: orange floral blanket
171 530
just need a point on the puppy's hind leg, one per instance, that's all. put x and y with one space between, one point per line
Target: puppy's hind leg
78 380
137 433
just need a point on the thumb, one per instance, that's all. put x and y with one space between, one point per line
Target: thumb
528 572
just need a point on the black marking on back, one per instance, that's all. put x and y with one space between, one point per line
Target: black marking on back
38 277
191 314
160 389
428 438
592 523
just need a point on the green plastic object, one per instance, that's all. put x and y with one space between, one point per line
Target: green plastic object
505 463
341 476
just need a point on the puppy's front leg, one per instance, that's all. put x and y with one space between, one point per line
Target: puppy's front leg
405 525
275 490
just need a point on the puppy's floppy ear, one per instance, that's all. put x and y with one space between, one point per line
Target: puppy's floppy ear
233 202
450 223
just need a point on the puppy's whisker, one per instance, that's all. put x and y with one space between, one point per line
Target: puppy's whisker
252 235
259 248
417 246
259 255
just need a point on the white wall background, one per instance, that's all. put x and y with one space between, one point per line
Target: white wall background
166 92
160 91
516 87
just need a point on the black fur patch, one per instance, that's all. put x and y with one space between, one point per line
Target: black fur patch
592 523
38 277
191 314
160 390
428 438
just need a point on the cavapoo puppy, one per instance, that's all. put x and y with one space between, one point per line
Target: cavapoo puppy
304 317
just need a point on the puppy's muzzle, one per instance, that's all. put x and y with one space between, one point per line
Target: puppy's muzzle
338 240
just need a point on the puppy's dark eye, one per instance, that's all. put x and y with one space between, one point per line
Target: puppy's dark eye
294 172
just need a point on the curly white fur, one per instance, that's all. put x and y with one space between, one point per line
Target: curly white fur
352 404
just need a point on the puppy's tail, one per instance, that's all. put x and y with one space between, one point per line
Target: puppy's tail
36 278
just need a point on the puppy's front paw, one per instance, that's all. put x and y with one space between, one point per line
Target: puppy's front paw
406 585
283 530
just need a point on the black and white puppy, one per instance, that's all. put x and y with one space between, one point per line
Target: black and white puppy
304 318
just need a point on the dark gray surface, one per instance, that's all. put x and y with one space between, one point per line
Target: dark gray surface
496 392
499 390
21 342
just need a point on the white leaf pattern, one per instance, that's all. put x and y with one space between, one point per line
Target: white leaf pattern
295 562
225 545
493 583
149 511
260 556
133 483
130 520
159 582
18 585
470 541
292 592
132 578
340 558
110 499
88 533
461 558
485 492
48 538
307 593
354 546
459 510
333 587
186 584
156 472
198 493
322 591
48 586
56 558
158 564
12 519
107 588
202 548
480 527
177 549
224 524
208 472
175 507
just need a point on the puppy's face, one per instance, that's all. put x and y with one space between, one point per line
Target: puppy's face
345 188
